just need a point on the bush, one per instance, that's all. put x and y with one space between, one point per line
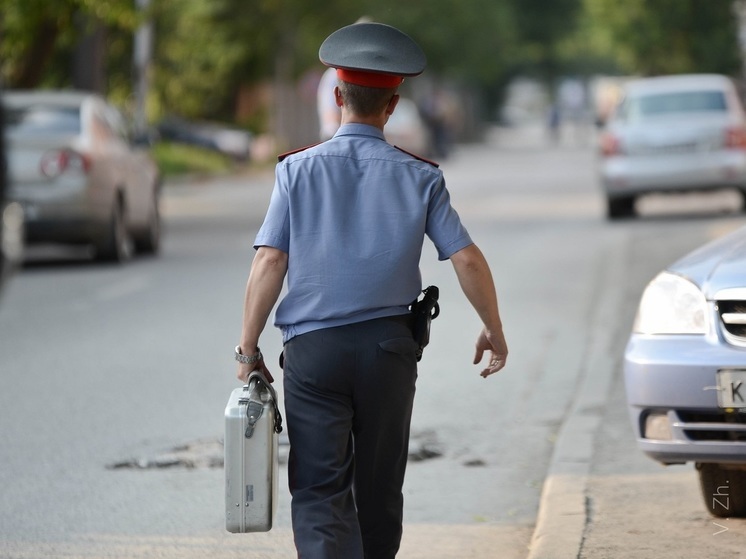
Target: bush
179 159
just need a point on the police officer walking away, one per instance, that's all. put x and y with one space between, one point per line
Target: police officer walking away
346 224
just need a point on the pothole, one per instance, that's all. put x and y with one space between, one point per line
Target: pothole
200 454
209 454
424 445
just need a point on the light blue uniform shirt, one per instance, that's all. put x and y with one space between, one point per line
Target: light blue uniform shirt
352 214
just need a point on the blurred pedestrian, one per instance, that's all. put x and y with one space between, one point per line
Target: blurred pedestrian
443 112
330 115
573 106
553 124
346 224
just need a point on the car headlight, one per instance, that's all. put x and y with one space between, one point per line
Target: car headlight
671 304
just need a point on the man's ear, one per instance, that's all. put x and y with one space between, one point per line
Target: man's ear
338 96
392 104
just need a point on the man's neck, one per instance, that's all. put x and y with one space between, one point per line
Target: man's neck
377 121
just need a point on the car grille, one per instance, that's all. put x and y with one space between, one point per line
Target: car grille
733 320
712 426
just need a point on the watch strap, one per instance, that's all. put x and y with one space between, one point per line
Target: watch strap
248 359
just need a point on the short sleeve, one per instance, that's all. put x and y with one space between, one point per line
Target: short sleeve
444 227
275 231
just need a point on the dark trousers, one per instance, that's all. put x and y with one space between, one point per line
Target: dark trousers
348 403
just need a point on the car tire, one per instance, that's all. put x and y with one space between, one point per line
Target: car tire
622 206
149 242
117 246
723 490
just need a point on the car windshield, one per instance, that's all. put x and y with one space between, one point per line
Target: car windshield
44 119
637 108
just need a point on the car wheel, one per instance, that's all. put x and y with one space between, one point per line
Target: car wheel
150 241
723 490
620 207
117 246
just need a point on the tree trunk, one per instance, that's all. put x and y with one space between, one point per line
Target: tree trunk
89 61
34 63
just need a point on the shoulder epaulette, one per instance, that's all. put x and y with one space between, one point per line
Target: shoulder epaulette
433 163
282 156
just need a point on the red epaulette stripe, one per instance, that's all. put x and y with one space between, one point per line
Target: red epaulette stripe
433 163
282 156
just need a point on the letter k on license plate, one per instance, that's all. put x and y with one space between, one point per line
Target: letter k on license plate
731 388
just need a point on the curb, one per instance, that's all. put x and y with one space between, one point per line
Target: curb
563 512
564 505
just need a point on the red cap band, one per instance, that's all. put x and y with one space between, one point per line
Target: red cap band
369 79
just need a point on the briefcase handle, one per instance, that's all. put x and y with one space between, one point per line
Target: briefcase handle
253 412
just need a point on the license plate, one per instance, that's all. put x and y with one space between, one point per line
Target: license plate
731 388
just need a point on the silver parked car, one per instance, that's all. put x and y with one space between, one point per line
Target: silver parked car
673 133
77 175
11 218
685 370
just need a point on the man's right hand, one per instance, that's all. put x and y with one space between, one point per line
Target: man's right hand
245 370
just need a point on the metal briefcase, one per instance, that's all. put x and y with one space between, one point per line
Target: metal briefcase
252 424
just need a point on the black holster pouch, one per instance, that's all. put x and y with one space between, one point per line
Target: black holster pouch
424 311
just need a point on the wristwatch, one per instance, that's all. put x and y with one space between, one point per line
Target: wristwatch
248 359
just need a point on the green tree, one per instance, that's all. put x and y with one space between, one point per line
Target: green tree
668 36
196 55
484 43
38 37
206 49
541 27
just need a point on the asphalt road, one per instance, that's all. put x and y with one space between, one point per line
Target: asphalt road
109 372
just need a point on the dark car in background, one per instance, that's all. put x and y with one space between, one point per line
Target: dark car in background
685 370
231 142
77 176
673 134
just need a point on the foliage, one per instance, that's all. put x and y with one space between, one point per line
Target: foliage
206 50
461 39
196 56
38 36
541 27
178 159
668 36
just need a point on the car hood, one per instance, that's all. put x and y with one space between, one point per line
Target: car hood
718 265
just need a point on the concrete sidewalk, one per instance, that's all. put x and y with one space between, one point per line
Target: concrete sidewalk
563 510
602 497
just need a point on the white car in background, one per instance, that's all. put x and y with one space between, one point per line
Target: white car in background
673 134
77 176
